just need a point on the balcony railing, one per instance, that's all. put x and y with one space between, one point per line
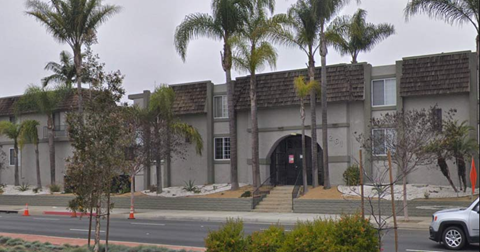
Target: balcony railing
60 131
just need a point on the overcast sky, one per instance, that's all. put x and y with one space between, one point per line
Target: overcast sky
139 42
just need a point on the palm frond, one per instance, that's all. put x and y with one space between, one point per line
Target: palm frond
28 133
191 133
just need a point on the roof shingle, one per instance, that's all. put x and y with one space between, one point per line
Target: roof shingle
190 98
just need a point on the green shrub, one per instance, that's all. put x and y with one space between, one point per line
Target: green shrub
24 187
353 233
270 240
246 194
14 242
1 190
351 176
313 236
54 188
190 186
229 238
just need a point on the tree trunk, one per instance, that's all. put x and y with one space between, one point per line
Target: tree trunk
255 149
304 159
405 205
158 161
313 124
323 54
132 192
90 220
96 248
77 56
148 164
445 171
17 175
462 171
37 164
108 220
232 122
168 152
51 148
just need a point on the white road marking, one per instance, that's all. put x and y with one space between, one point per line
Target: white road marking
148 224
46 219
85 230
414 250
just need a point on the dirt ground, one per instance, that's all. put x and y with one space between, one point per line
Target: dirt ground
320 193
227 194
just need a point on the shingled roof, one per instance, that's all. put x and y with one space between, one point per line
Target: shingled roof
345 83
7 105
190 98
436 74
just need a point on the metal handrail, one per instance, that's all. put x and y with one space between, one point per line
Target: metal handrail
296 189
257 195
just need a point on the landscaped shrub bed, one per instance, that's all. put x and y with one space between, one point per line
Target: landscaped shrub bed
351 233
17 245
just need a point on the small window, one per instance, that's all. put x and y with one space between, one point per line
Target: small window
222 148
383 139
220 106
384 92
12 119
56 121
437 119
12 157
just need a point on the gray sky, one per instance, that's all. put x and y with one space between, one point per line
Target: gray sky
139 42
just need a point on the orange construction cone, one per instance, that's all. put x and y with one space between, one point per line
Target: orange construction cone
25 212
131 216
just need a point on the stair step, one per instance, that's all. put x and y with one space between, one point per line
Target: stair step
275 203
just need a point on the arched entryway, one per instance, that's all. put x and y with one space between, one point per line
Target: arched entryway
286 161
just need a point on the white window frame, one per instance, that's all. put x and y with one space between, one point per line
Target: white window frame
10 163
385 141
224 107
223 148
384 81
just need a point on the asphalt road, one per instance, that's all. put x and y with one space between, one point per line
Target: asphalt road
183 233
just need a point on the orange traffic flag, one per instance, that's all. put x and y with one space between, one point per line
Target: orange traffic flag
473 176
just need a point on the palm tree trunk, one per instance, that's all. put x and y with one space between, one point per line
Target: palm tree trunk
446 172
232 121
77 57
323 54
168 153
147 168
37 164
304 158
313 112
17 175
255 149
158 161
51 148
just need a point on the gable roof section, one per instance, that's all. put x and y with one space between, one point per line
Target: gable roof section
190 98
345 83
435 74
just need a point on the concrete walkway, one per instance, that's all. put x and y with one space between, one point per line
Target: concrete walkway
415 223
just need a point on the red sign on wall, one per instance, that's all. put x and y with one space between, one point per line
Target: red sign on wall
291 159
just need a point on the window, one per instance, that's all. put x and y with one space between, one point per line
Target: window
220 106
12 119
12 157
383 139
437 119
222 148
384 92
56 121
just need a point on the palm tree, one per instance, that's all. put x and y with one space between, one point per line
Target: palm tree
45 101
252 52
227 19
74 22
63 72
303 89
301 30
29 134
326 11
12 131
352 34
164 121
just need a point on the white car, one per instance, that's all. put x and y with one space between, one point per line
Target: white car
456 228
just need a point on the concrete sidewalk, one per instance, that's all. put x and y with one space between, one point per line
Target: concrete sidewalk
415 223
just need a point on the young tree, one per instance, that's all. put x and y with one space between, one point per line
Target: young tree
64 73
29 134
407 134
168 131
252 52
301 30
352 34
303 89
226 21
12 131
3 161
45 101
73 22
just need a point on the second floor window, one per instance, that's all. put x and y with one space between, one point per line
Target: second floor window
220 106
384 92
222 148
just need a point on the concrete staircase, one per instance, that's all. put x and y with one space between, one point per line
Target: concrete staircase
278 201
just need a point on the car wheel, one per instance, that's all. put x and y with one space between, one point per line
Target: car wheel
453 238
